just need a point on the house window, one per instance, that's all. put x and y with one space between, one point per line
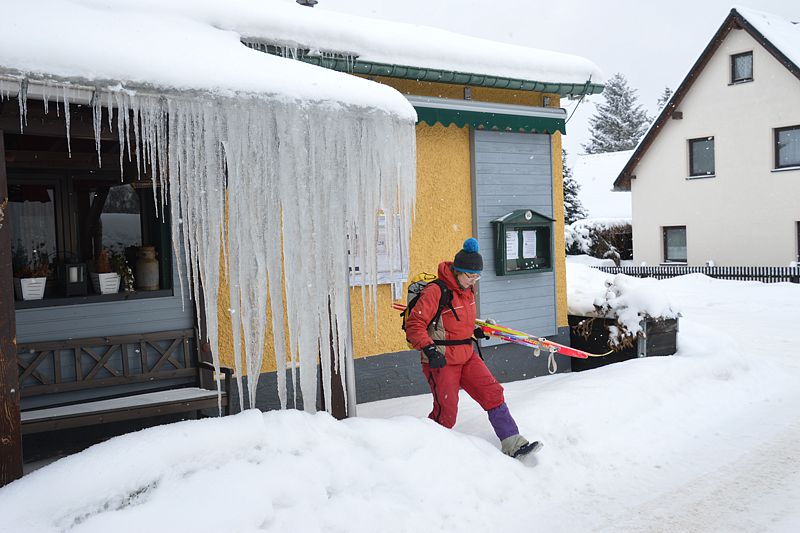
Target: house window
701 157
742 67
787 147
62 220
674 244
32 213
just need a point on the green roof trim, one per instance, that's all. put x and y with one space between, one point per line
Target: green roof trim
352 65
447 76
490 121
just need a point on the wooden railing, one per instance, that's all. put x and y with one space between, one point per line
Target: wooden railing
82 382
742 273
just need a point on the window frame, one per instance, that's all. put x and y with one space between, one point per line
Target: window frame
665 249
776 159
67 231
690 144
734 57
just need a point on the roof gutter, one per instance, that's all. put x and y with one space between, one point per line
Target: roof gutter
13 87
351 64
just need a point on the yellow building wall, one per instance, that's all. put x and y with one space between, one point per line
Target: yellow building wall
501 96
443 220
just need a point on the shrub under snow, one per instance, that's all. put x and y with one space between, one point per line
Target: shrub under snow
604 238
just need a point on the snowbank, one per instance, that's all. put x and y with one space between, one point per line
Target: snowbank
704 440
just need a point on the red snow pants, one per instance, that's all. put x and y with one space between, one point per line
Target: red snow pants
473 377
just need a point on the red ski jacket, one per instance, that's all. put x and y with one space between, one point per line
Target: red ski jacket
455 328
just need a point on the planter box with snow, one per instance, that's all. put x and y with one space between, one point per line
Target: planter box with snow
591 335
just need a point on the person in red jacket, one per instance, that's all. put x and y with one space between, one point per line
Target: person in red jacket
449 361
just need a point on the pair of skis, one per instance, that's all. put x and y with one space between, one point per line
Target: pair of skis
519 337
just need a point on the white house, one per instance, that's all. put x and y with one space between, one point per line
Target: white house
717 176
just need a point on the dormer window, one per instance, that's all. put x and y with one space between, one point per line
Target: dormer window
742 67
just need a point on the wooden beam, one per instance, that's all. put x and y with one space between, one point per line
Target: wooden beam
40 159
54 125
338 400
10 435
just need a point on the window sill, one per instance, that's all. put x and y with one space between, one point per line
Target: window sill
785 169
740 82
91 299
701 176
673 263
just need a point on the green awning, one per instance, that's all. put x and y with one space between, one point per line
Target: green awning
488 116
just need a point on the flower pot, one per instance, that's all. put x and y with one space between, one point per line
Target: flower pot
29 288
105 283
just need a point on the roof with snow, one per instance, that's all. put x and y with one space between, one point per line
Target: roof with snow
384 48
179 45
198 45
779 36
595 173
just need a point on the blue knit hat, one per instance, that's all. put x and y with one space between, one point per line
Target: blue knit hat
468 259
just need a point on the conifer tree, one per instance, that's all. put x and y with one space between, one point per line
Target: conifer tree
664 98
573 208
619 122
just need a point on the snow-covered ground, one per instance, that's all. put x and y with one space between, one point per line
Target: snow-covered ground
705 440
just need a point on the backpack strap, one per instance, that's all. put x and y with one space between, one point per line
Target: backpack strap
446 300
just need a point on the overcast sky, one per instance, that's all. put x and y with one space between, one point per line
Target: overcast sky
653 43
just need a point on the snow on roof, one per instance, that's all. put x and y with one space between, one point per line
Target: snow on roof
596 174
781 32
382 41
172 44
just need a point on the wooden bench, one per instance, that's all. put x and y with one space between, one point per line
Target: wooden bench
83 382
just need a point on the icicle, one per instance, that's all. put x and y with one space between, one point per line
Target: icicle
97 123
137 137
274 192
65 96
45 100
22 100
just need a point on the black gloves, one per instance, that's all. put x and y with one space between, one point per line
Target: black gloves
435 358
479 334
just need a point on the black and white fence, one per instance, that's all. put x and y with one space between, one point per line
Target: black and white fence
765 274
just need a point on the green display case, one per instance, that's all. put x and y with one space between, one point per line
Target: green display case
523 242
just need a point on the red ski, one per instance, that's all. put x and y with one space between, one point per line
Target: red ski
518 337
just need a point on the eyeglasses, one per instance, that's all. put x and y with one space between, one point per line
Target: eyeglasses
471 277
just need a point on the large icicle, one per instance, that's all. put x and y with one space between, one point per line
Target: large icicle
274 191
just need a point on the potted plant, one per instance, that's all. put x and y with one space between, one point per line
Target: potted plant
111 272
119 264
30 276
104 279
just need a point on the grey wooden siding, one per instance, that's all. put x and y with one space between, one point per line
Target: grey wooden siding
513 171
107 318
